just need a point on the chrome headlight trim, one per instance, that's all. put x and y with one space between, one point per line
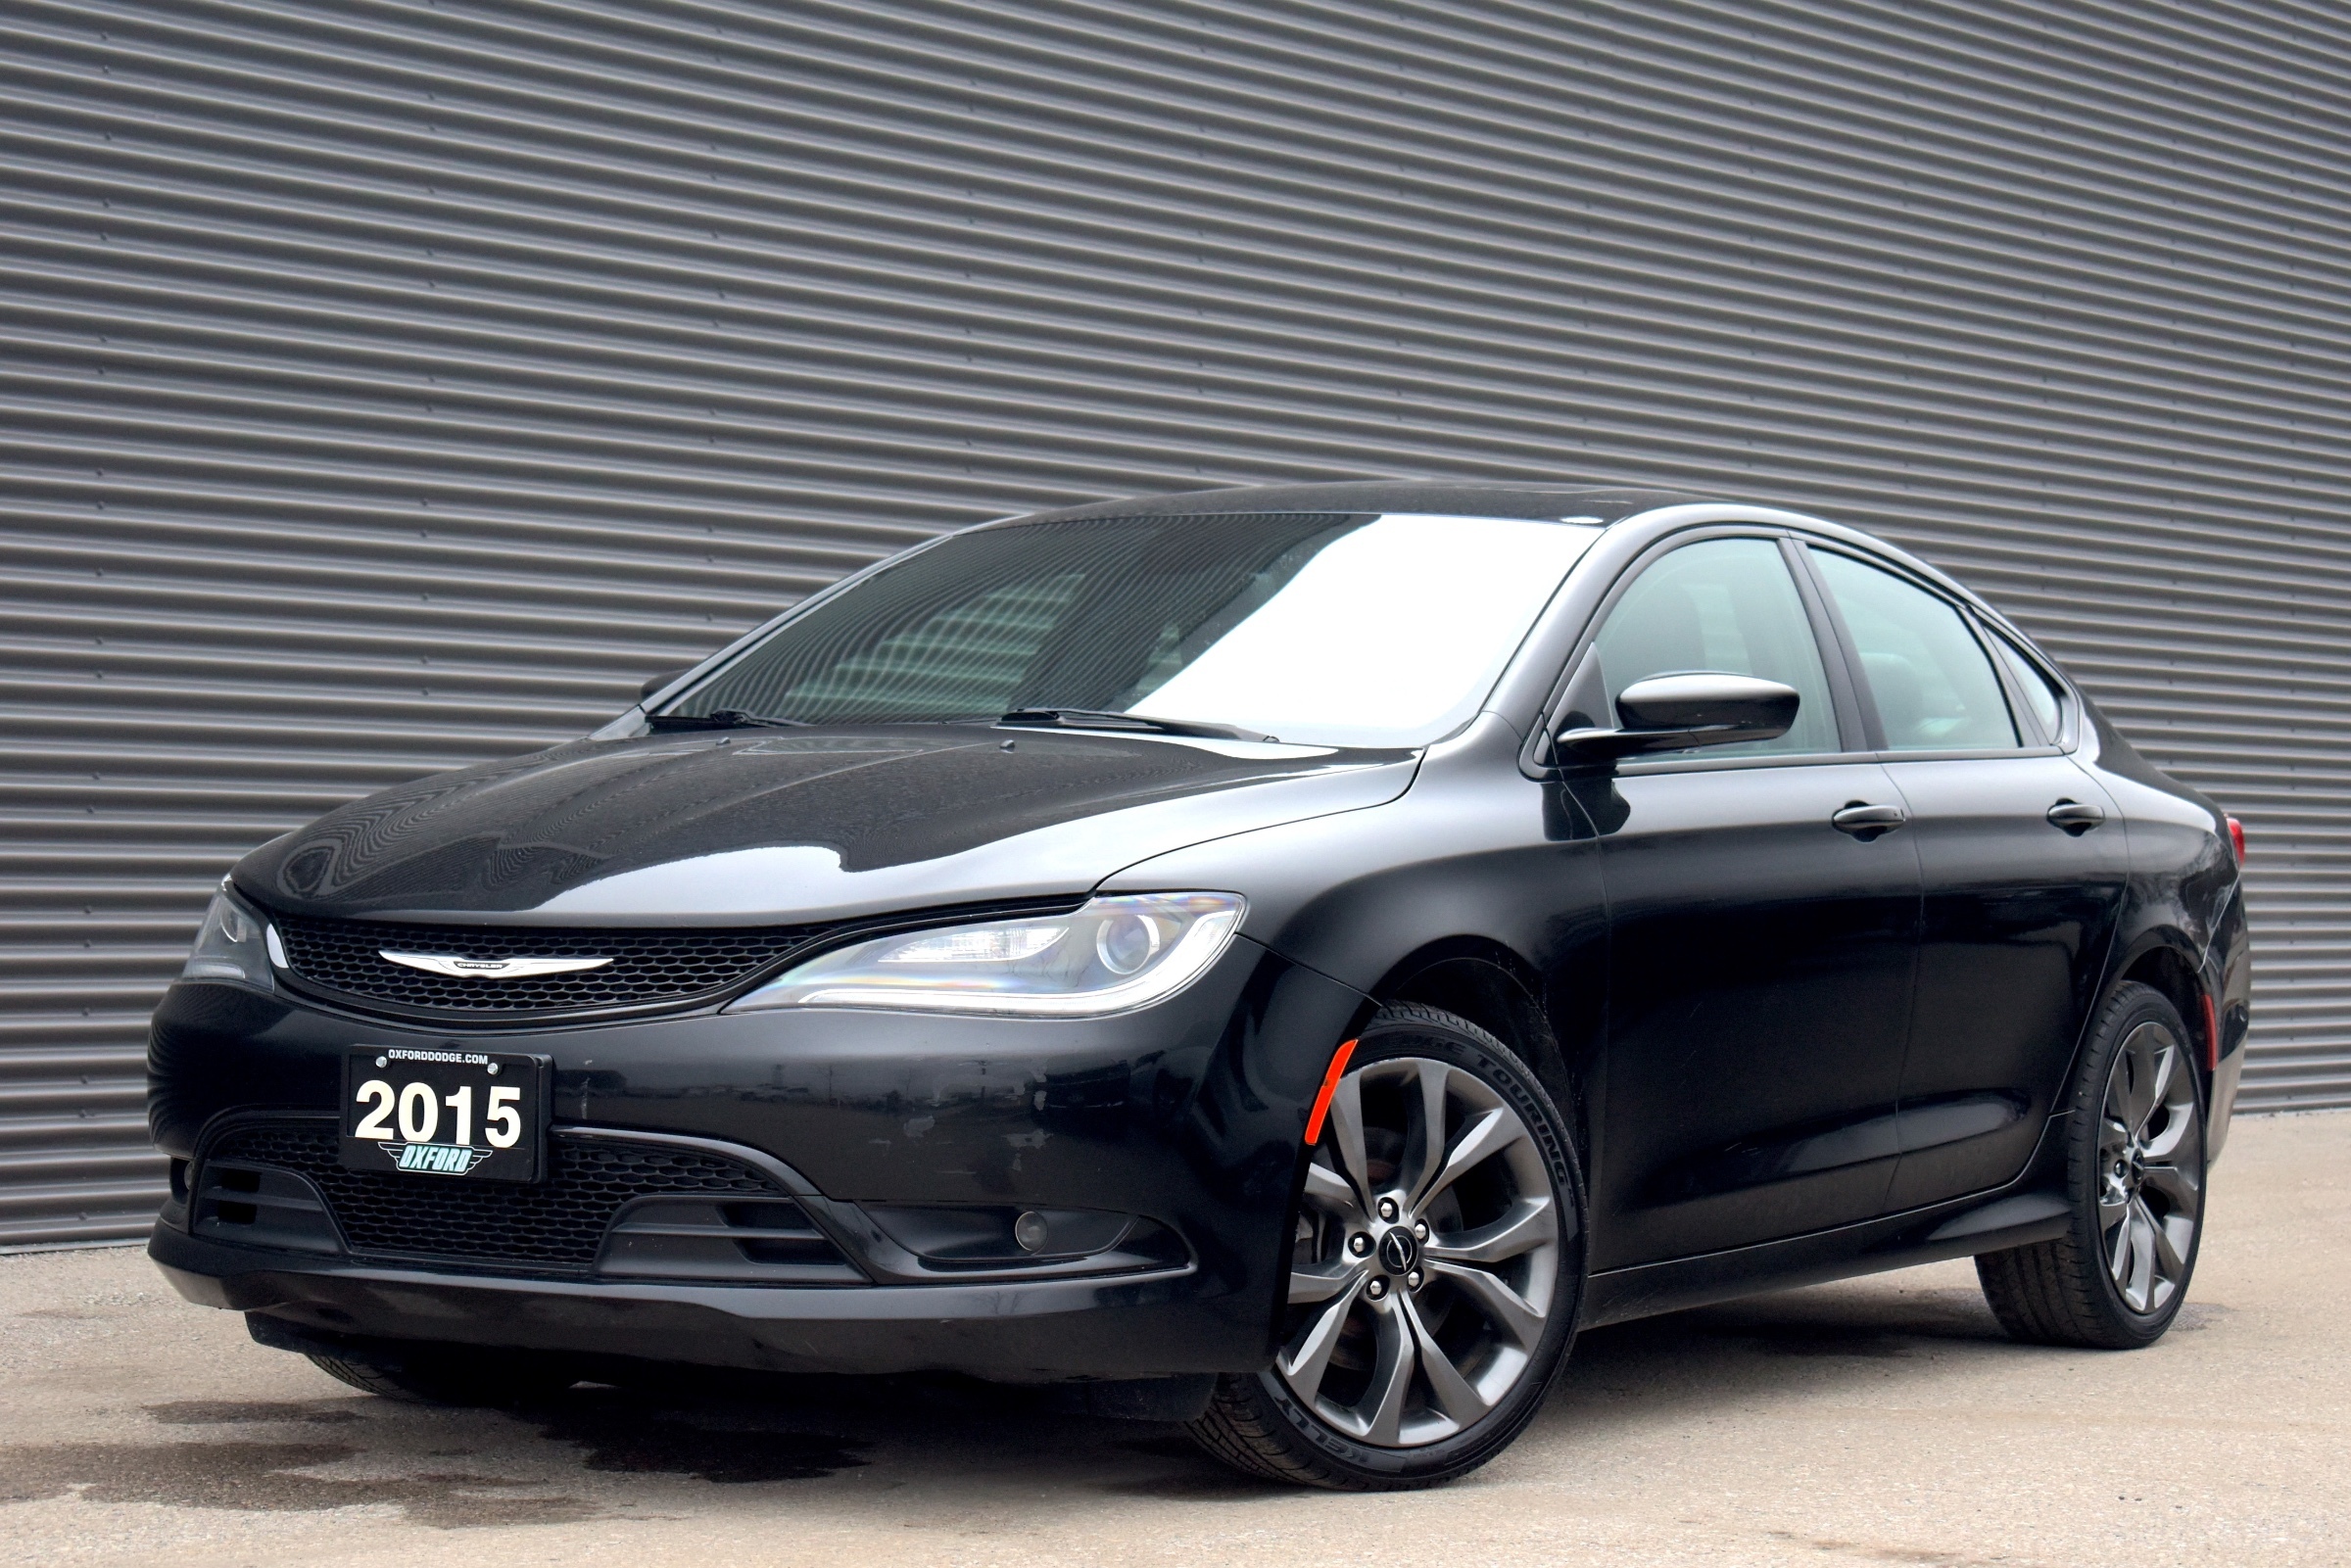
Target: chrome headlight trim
1113 955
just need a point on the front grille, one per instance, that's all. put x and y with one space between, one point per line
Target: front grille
646 967
556 1225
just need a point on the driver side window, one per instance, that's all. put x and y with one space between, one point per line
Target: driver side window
1727 605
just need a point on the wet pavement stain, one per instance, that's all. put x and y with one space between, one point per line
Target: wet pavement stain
265 1478
720 1442
232 1412
695 1433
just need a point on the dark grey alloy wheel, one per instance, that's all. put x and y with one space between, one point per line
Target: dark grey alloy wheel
1436 1268
2135 1161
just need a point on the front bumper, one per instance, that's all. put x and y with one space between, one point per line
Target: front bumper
1186 1116
1068 1328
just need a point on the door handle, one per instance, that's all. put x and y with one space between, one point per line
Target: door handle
1865 821
2076 817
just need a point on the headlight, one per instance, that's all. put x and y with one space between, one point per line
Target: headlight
231 946
1113 955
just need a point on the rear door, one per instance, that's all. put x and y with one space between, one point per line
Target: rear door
2023 861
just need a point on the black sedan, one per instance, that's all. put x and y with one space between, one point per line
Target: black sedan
1282 960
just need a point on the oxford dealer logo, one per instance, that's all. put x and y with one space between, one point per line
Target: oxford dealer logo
437 1159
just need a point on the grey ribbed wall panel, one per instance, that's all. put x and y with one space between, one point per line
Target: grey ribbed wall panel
389 385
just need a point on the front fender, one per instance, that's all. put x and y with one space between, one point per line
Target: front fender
1473 858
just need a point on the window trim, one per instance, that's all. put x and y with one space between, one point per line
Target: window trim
1856 718
2020 706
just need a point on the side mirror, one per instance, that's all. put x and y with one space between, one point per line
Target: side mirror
1669 712
656 683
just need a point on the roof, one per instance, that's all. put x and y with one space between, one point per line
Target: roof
1451 497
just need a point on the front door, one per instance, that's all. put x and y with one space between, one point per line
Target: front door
1760 956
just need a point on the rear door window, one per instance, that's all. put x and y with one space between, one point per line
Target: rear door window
1932 684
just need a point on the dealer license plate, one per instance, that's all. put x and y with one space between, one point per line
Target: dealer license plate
478 1115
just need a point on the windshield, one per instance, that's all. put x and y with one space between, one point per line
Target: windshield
1318 629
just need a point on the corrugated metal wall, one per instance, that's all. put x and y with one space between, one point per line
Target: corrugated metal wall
392 383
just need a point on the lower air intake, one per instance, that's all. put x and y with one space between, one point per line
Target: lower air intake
555 1226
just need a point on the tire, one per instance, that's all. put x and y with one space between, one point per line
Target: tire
458 1375
1417 1340
2135 1172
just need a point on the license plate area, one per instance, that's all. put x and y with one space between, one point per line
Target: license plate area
480 1116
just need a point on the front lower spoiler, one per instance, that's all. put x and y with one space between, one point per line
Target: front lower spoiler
1133 1326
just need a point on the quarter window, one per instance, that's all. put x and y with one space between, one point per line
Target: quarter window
2043 697
1728 605
1931 681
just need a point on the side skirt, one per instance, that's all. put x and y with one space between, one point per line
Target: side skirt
2032 1207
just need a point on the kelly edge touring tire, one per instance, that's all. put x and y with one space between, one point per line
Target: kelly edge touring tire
1480 1303
2135 1172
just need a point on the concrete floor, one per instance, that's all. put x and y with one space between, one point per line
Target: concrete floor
1879 1421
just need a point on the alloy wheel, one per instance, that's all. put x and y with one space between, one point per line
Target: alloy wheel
1426 1259
2151 1168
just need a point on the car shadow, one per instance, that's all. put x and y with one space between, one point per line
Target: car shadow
687 1441
1786 1343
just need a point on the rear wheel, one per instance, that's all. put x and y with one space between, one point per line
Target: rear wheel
2135 1164
1436 1269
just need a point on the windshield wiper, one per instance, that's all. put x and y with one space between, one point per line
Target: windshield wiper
720 718
1096 719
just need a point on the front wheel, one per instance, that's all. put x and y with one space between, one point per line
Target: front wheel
2135 1167
1435 1272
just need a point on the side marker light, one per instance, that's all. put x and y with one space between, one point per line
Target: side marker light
2212 1036
1330 1086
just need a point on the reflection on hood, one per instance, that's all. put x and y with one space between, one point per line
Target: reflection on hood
729 826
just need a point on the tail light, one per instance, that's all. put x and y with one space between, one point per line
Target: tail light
2237 839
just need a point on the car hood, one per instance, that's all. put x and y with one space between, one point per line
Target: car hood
750 827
